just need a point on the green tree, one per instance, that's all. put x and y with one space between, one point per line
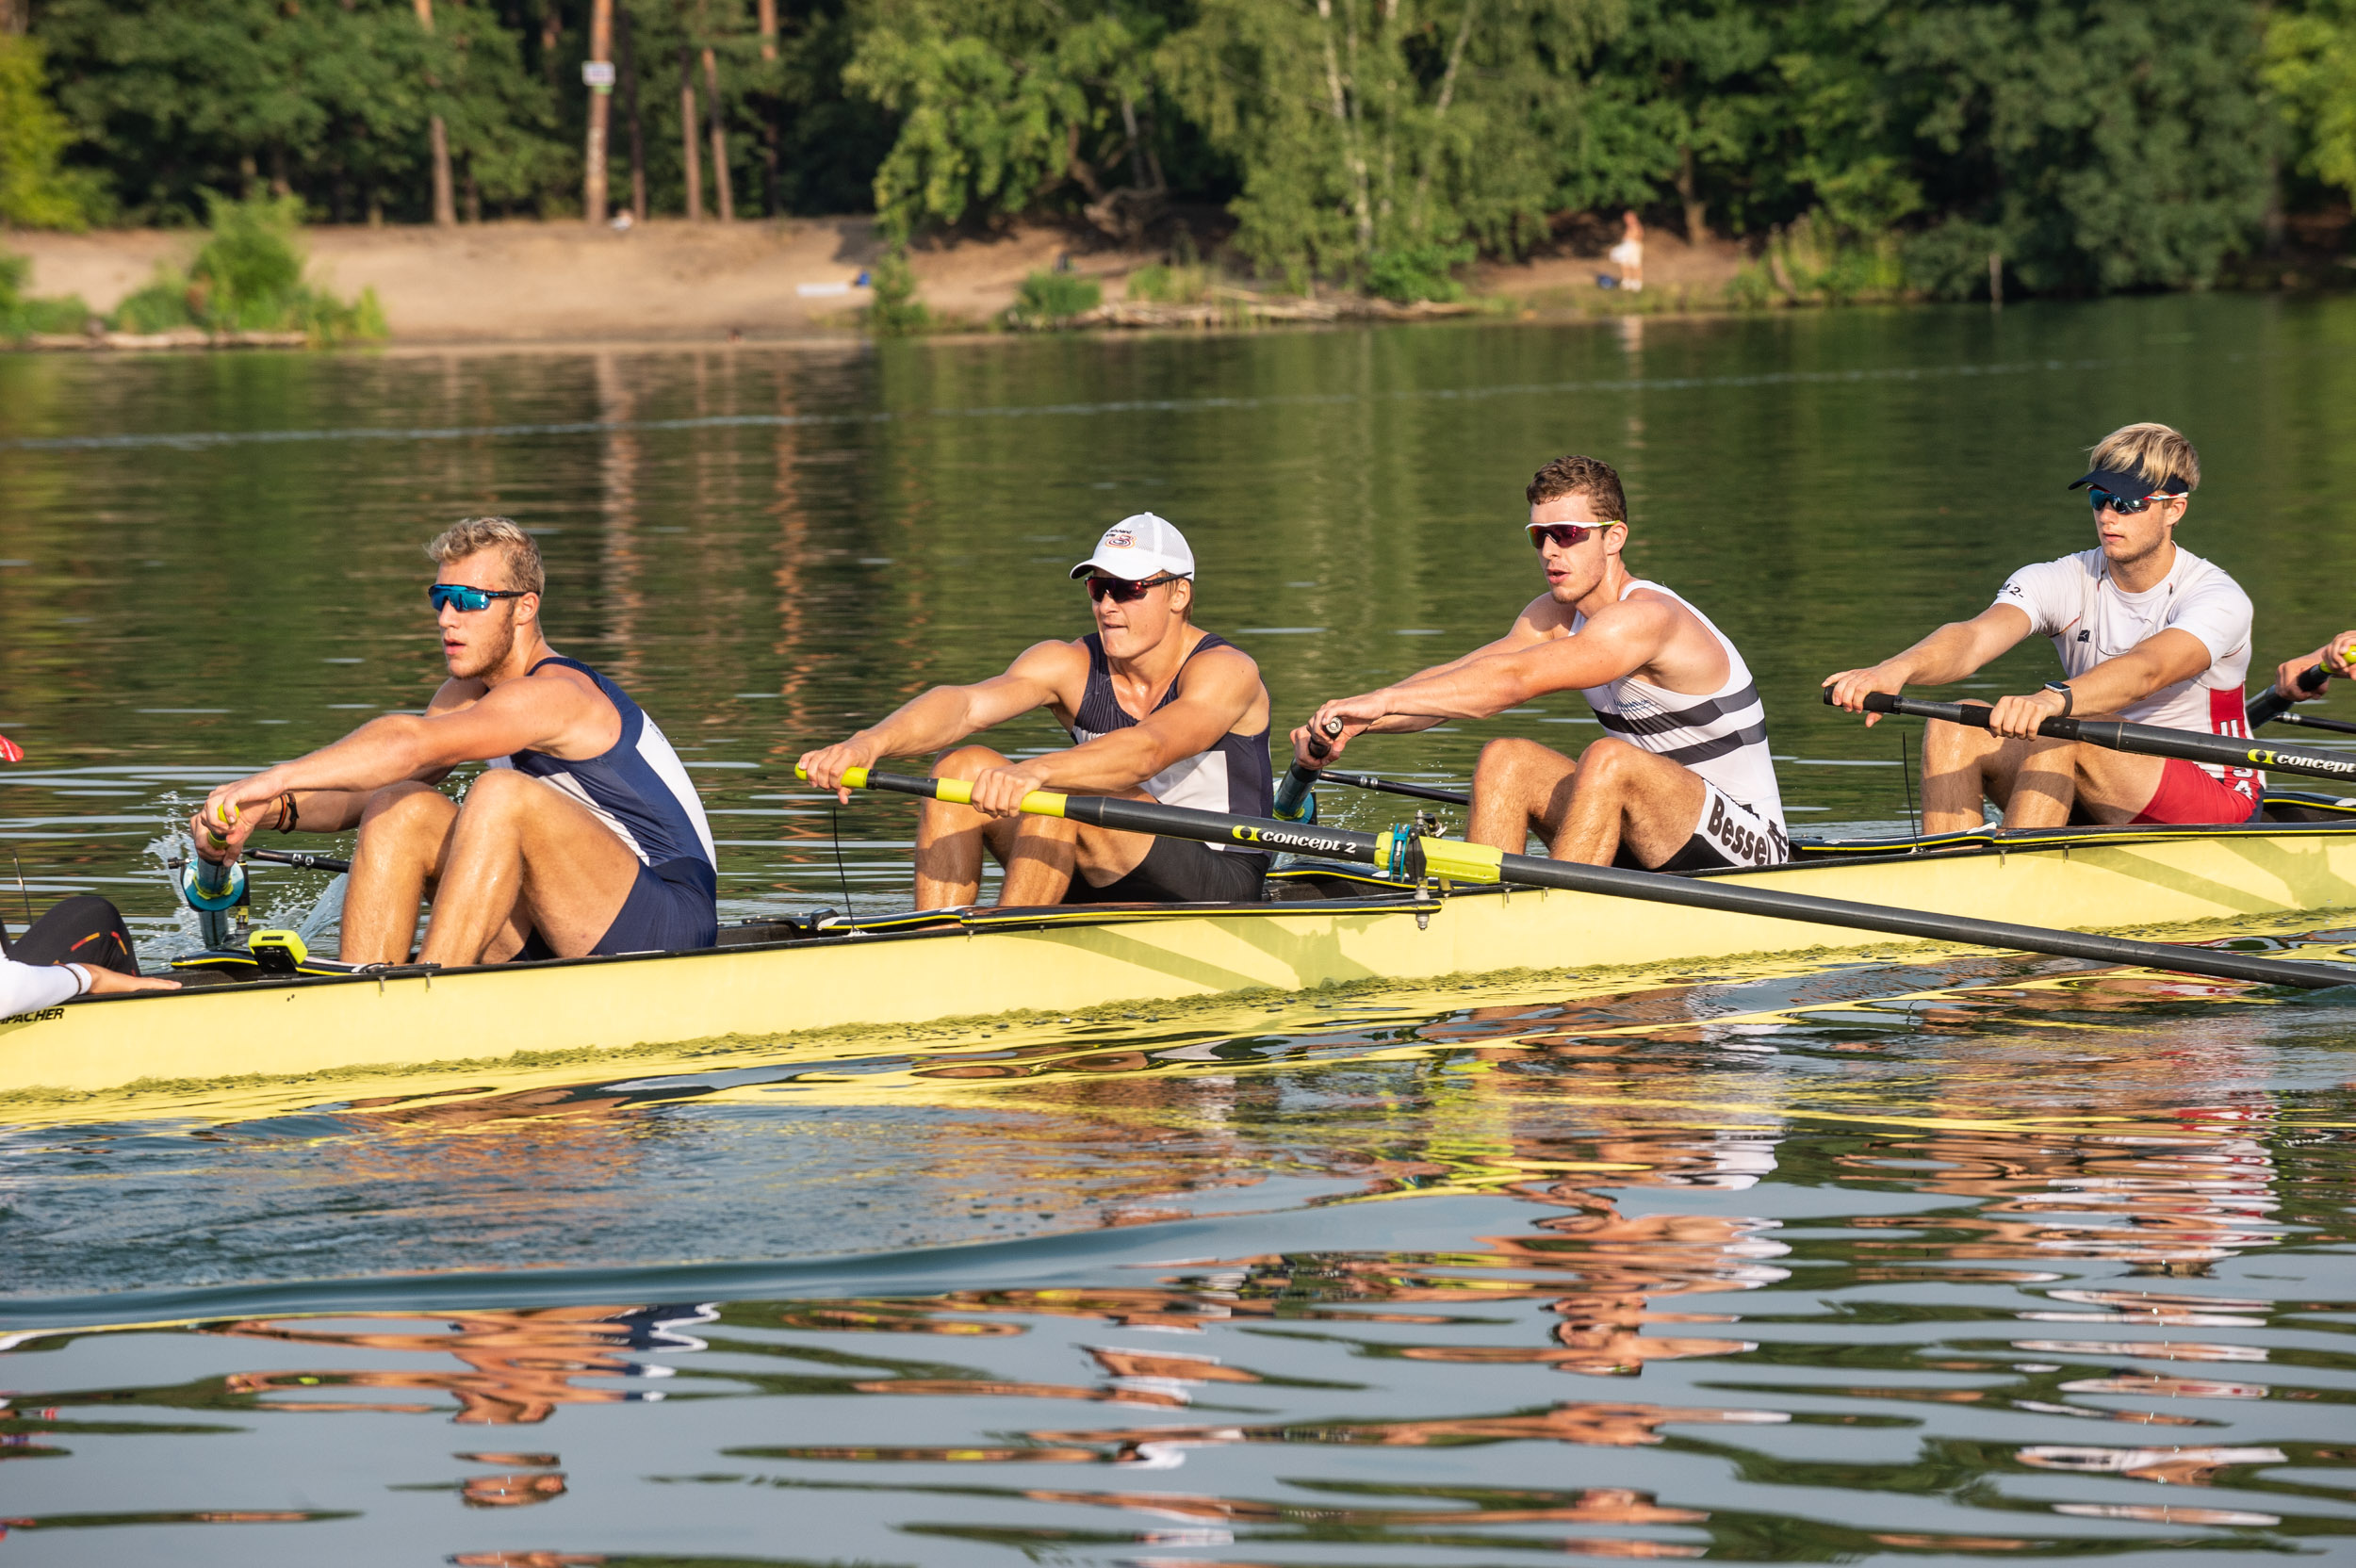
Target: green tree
2097 146
37 191
1002 103
1682 96
2311 68
326 102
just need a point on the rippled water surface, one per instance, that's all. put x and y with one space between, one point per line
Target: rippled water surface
1934 1261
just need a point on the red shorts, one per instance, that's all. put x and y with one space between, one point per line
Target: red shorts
2189 793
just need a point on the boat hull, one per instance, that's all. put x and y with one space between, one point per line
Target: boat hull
1063 961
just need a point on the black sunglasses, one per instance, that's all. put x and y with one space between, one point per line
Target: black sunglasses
2126 506
1121 590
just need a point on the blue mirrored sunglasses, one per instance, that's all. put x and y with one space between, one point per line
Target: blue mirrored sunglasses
441 596
2126 506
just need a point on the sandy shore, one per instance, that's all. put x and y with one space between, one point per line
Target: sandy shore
671 280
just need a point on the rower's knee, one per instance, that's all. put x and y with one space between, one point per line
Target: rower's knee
1607 762
1948 747
501 791
401 808
1508 757
968 762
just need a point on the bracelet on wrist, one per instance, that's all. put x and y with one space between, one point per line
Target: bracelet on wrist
290 814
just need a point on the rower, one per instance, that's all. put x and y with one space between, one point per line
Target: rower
1157 709
584 835
2146 631
1683 782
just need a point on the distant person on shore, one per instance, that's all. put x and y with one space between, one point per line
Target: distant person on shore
1681 781
1628 254
1157 709
2146 631
584 835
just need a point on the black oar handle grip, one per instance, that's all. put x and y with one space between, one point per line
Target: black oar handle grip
1296 799
1882 702
1318 748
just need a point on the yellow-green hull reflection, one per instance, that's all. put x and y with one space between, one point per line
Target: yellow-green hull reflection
528 1019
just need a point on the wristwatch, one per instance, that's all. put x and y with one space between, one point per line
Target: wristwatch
2070 698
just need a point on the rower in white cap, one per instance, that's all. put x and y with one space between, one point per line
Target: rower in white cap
1157 709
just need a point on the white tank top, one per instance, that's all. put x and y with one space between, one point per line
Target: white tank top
1723 736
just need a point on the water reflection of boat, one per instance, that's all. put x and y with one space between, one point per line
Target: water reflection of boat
1323 926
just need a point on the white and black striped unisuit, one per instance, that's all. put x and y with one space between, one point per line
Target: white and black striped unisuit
1723 736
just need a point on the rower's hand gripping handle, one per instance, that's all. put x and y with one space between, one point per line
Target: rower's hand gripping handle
1295 796
2270 704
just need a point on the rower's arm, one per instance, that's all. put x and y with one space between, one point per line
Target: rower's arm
1537 625
1615 644
515 715
1043 674
1954 652
339 810
2161 659
1217 691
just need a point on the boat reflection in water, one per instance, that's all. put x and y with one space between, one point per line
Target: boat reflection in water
1872 1269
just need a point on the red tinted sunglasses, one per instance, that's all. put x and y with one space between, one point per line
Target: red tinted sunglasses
1563 535
1121 590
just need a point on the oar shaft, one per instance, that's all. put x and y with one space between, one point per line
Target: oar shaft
2141 738
1393 787
1453 859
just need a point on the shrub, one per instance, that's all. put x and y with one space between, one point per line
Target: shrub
21 313
1175 285
895 311
1414 273
1052 299
247 277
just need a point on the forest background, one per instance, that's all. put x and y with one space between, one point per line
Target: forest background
2086 145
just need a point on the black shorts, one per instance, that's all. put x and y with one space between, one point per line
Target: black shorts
1728 834
1179 871
671 908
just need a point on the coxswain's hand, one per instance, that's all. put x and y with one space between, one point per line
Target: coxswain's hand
108 982
999 792
826 766
2018 717
1850 688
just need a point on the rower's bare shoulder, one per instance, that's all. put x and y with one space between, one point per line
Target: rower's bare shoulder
455 695
1542 620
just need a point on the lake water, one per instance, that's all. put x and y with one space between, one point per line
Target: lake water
1986 1258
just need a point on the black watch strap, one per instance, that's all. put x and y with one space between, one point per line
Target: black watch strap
2069 697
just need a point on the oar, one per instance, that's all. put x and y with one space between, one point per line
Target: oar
1407 854
1295 803
2272 706
2144 739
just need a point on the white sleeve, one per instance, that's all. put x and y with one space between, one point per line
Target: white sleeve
2045 592
28 987
2217 612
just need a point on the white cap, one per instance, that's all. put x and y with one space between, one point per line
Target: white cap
1138 548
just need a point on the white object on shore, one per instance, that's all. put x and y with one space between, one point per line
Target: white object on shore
821 290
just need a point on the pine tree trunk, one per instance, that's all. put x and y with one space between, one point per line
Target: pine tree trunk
626 70
438 139
772 202
719 139
689 158
1689 192
600 109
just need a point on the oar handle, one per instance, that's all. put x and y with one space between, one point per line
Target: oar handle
1296 797
2142 739
2270 704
